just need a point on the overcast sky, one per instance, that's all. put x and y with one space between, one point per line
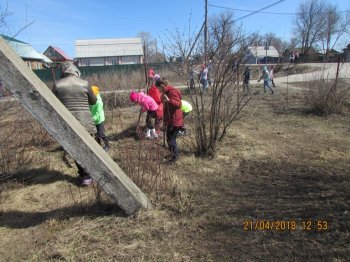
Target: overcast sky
60 22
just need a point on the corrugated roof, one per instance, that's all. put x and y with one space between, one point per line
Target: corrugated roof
24 50
260 52
108 47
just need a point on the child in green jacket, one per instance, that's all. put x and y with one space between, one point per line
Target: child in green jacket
98 116
186 108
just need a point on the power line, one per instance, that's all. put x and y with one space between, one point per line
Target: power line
259 10
272 13
250 11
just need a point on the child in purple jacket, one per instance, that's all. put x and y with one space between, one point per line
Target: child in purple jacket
148 104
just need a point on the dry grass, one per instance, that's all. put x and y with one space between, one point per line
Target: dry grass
277 163
326 97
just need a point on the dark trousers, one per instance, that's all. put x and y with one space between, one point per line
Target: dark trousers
171 135
101 135
192 84
81 172
273 83
150 115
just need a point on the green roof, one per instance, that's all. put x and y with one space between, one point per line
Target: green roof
24 50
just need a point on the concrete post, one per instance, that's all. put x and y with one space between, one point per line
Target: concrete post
43 105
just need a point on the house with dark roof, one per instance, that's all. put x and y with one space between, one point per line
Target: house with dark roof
57 55
346 53
33 59
104 52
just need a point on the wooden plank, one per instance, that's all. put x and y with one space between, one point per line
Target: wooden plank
43 105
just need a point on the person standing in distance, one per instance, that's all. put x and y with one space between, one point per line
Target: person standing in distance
246 78
204 78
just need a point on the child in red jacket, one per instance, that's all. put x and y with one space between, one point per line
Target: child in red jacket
173 116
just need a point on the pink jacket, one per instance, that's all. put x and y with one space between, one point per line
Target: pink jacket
147 102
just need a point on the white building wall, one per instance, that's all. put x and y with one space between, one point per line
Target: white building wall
104 61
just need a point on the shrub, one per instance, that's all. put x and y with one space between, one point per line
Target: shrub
325 97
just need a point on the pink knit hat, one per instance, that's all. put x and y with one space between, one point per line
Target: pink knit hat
133 96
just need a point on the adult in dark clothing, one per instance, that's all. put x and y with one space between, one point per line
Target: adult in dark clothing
173 116
76 95
246 78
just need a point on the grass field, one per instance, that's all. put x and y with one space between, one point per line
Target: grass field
277 190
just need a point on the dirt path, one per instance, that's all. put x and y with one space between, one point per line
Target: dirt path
328 71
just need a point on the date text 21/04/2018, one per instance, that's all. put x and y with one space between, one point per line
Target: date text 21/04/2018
284 225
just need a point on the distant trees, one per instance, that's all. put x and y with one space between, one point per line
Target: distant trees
4 13
336 25
151 48
280 45
4 27
319 25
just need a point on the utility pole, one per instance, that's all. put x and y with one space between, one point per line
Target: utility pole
205 31
266 48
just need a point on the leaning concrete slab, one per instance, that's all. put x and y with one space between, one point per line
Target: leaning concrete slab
43 105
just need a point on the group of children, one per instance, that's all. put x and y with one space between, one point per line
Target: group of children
164 104
266 75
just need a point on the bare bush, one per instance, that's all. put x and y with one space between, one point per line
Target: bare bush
20 138
215 110
114 100
325 97
142 162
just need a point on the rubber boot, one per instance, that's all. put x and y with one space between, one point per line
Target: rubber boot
154 133
148 133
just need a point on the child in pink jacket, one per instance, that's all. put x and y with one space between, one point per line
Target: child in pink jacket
148 104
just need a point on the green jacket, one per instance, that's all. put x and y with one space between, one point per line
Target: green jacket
185 106
97 112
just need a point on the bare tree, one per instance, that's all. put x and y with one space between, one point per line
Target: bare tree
320 24
215 110
280 45
150 43
4 14
310 23
336 26
181 46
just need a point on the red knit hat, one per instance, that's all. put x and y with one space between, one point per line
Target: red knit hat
133 96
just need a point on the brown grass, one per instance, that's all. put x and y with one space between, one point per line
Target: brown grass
277 163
